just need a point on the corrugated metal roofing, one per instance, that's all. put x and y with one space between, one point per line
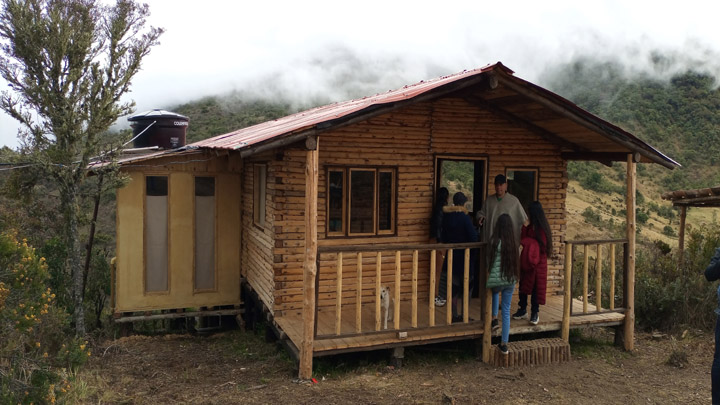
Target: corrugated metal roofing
327 116
292 123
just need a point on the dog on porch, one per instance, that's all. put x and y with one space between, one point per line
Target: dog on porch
385 301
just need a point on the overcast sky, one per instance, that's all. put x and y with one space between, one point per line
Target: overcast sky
302 49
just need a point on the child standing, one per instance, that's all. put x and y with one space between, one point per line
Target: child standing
504 272
536 241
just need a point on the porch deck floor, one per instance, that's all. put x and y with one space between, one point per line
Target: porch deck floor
369 339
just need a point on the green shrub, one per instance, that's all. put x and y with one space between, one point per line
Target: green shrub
668 230
668 296
36 354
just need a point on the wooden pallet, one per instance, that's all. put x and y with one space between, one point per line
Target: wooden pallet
531 352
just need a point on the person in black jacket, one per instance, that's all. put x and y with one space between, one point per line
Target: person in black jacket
457 227
712 273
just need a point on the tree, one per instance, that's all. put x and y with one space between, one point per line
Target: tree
68 63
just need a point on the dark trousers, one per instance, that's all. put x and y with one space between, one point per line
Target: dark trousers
715 371
534 306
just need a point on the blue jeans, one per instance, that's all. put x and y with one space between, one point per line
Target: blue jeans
507 293
715 370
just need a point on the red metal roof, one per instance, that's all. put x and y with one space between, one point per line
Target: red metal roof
306 119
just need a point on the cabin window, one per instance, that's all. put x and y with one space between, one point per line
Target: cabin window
361 201
259 192
523 184
156 233
336 202
205 233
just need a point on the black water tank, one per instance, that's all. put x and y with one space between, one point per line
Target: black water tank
165 129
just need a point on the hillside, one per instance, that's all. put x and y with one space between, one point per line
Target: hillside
679 116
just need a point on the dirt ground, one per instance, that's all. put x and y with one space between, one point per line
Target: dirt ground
240 367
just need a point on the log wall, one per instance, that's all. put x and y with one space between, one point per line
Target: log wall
129 283
408 140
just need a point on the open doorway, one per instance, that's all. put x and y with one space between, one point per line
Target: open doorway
465 174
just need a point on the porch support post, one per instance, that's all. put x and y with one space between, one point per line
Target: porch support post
629 326
310 264
681 236
567 294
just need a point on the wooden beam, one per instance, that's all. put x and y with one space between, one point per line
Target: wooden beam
594 125
310 264
522 123
681 237
629 326
606 158
174 315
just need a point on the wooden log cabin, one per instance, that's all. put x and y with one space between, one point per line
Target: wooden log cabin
317 211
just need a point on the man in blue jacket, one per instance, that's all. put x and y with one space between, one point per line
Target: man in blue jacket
712 273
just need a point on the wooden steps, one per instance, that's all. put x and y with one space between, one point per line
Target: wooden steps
531 352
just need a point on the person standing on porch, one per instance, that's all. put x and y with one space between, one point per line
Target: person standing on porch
712 273
457 227
536 242
436 237
498 204
504 272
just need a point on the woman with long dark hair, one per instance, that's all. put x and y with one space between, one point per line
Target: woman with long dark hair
504 272
441 200
536 241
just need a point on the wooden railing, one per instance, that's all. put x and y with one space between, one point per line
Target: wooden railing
349 294
600 248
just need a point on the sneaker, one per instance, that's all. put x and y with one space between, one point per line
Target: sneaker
520 314
439 302
495 325
503 348
535 318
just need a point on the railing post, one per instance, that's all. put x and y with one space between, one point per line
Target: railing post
598 278
448 294
466 287
567 296
586 259
358 296
398 268
612 277
378 276
414 289
338 303
431 294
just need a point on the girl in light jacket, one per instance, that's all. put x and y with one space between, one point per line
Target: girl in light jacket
504 272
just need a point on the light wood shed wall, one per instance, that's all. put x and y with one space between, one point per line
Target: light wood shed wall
130 291
408 139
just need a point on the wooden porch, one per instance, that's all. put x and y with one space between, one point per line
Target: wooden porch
327 343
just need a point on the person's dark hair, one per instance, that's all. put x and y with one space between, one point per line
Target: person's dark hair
539 222
504 235
441 199
459 198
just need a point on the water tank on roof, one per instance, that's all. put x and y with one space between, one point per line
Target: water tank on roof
165 129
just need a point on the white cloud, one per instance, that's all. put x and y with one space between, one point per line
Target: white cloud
305 49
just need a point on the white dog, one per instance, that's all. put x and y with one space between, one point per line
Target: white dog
385 305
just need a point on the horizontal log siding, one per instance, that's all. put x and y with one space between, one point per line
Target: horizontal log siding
408 140
257 248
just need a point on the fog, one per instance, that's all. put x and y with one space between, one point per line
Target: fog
319 50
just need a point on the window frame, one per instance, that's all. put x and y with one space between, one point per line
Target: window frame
536 186
168 214
347 203
215 234
259 194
